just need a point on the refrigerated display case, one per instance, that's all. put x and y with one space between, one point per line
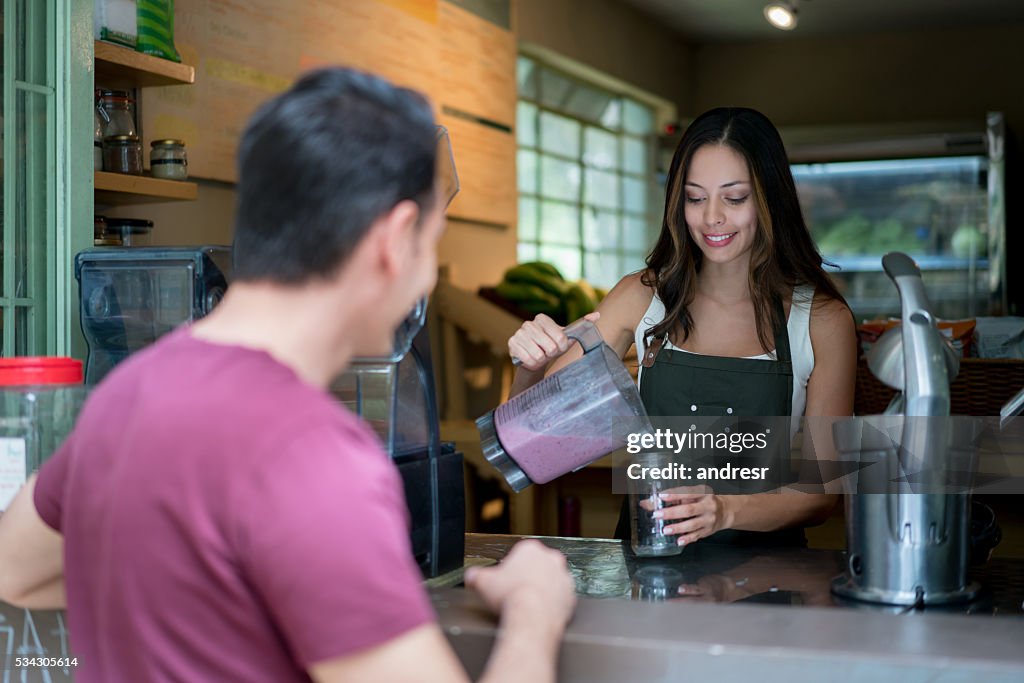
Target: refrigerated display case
940 199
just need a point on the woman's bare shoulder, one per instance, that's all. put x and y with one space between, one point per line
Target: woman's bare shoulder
831 319
625 305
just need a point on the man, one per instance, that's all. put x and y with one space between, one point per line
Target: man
236 524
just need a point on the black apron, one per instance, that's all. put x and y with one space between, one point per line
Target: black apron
680 383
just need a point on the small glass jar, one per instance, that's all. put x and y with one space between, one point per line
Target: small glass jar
40 399
122 154
127 232
117 110
167 159
97 142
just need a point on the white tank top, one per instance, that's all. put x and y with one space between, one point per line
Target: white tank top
798 327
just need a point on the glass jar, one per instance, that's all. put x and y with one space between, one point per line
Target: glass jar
125 232
39 401
97 142
117 109
122 154
167 159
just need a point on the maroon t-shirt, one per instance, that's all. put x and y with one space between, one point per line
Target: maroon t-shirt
225 521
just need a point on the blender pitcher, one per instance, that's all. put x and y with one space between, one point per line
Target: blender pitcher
564 422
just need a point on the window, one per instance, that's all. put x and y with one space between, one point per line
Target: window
589 201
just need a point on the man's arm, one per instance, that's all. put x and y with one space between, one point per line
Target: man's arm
535 596
31 556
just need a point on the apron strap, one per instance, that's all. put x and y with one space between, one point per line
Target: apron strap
651 352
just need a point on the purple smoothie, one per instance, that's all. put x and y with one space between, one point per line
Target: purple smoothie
545 457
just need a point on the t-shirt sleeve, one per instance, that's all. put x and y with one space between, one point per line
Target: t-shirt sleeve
49 492
324 540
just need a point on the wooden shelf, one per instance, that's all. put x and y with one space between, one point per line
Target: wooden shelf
122 67
118 188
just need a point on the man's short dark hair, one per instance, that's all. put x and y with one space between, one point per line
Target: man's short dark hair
319 164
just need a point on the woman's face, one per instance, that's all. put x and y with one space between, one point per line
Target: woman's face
720 212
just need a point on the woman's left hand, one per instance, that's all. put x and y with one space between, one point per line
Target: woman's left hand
701 513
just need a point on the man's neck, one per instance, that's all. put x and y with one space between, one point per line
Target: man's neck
301 327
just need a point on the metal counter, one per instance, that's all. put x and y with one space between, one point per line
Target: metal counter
654 619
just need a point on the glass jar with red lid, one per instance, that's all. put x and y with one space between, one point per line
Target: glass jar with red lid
40 398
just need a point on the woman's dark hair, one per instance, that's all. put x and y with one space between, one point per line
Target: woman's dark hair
319 164
783 254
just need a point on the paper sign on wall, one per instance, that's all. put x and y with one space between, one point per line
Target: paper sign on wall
12 469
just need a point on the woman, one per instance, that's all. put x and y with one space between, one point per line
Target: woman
734 313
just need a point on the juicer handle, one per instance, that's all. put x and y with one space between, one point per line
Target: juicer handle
583 331
898 264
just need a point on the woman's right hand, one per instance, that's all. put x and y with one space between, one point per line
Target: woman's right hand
540 341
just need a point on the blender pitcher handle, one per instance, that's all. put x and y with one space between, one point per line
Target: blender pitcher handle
586 333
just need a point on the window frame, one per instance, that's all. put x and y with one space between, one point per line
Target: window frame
624 251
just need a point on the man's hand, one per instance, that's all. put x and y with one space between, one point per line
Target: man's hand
533 578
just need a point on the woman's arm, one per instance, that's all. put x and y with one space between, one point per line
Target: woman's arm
829 394
544 348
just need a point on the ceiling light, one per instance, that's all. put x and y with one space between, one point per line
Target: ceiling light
781 15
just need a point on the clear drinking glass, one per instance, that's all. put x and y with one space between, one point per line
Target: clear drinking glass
647 532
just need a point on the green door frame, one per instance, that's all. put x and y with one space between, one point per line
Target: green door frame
55 208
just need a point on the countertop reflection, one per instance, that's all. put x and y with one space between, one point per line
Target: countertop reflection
710 572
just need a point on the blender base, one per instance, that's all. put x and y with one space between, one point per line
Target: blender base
844 587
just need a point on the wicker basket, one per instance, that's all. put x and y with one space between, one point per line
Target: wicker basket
981 388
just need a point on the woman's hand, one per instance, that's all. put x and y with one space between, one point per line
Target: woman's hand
701 513
540 341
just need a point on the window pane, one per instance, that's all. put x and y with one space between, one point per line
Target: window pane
30 51
554 89
587 103
559 135
600 229
527 218
559 223
526 77
631 263
566 259
636 235
634 152
612 116
30 219
559 179
23 343
602 189
603 269
600 148
635 194
527 252
637 118
526 170
526 124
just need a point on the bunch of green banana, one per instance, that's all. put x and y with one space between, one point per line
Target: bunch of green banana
538 287
579 300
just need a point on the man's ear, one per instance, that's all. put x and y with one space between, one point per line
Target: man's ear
395 235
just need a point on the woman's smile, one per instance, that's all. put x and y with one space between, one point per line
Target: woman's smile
720 239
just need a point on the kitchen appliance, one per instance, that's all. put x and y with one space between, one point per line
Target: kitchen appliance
908 540
938 195
396 395
129 298
565 421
